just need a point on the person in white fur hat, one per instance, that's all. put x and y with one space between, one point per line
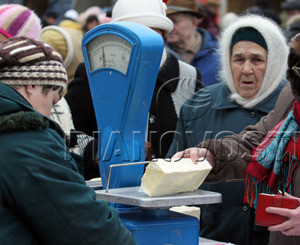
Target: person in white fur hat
176 81
253 53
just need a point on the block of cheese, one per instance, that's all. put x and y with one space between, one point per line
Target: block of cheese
168 177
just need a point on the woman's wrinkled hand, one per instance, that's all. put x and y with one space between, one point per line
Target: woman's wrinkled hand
291 227
194 154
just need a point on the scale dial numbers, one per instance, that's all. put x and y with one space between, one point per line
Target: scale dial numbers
109 51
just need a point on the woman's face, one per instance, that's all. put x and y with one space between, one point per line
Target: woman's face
248 64
41 101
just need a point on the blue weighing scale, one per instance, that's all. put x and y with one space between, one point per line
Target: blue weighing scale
122 61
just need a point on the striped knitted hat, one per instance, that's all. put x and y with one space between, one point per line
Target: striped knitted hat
25 61
17 20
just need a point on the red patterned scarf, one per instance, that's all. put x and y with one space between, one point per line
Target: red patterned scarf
274 160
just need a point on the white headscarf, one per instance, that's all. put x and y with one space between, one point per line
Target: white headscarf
276 61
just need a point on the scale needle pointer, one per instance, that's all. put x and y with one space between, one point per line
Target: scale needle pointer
103 56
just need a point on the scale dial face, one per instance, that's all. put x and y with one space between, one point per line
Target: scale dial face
109 51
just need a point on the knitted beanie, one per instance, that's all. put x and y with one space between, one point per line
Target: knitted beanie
67 42
248 34
25 61
151 13
17 20
71 24
53 35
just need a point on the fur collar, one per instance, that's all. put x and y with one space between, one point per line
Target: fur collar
22 121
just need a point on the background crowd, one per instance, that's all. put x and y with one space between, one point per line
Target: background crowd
218 75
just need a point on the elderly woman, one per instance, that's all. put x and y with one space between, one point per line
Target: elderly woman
253 76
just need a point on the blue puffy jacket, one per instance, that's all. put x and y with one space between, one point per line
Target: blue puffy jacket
207 59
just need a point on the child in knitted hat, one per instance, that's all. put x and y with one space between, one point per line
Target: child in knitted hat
17 20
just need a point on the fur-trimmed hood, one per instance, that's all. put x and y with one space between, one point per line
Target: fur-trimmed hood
276 62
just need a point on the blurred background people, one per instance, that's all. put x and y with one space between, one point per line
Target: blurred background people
227 19
292 27
261 7
91 22
67 42
210 10
252 80
260 4
291 7
49 18
193 45
70 20
93 10
53 6
92 17
17 20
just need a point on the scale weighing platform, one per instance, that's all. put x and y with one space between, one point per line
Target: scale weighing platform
122 61
133 196
152 222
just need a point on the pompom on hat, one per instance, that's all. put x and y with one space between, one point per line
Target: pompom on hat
26 61
17 20
151 13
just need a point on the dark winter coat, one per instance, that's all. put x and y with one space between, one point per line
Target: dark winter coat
43 198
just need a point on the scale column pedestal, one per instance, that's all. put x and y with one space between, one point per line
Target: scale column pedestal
161 226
